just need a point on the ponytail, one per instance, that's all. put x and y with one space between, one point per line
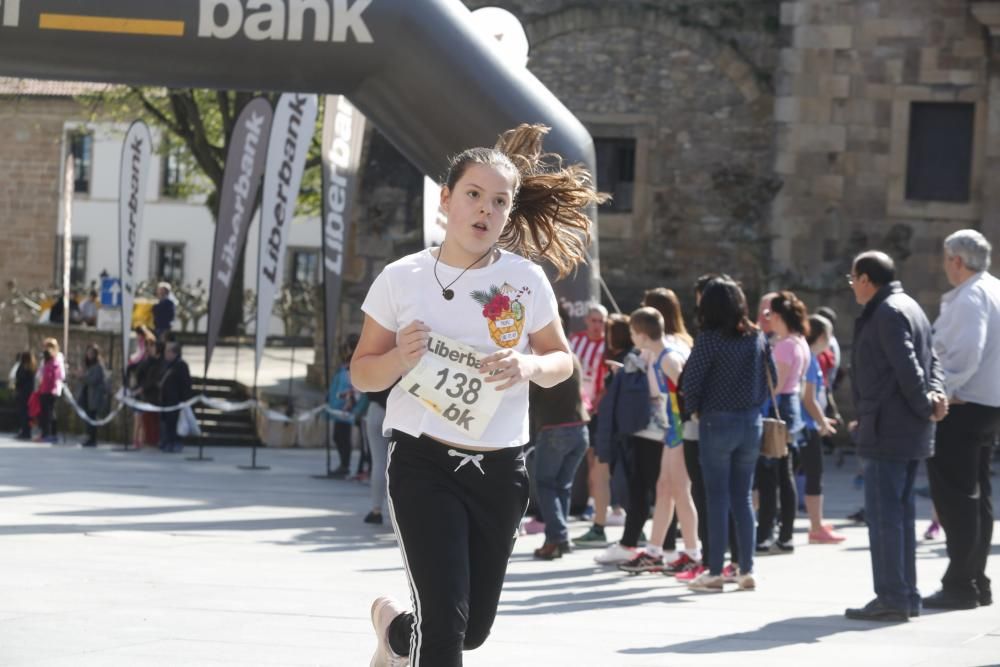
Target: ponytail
549 219
549 216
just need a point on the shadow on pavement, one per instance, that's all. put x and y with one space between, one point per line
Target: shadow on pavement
803 630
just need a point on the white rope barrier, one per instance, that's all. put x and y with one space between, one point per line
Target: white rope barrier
213 403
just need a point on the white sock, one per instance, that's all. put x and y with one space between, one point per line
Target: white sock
693 554
654 550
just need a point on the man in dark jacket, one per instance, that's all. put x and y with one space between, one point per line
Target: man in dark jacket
898 392
175 388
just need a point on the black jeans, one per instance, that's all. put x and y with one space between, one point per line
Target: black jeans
342 441
168 429
774 478
23 418
456 513
47 418
644 458
959 476
811 456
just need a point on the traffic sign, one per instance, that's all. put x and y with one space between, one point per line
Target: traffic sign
111 292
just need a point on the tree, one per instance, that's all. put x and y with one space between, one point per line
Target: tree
202 121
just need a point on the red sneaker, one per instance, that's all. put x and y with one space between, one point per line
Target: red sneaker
692 573
682 563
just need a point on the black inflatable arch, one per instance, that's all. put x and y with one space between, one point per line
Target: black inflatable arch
415 68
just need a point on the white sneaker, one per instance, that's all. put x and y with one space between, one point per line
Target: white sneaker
384 610
615 554
616 517
707 583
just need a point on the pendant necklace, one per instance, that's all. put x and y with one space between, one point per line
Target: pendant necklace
446 290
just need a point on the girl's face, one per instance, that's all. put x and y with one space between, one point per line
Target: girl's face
478 208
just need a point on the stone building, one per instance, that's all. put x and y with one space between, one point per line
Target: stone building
888 135
32 118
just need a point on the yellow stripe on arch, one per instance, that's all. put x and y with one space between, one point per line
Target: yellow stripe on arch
107 24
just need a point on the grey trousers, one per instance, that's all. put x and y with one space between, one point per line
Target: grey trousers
378 444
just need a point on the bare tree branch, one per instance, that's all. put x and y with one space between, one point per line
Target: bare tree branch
155 112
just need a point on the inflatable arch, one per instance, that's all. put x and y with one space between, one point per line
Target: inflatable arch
417 69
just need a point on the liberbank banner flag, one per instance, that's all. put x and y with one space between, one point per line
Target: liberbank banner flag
137 153
240 185
343 137
291 135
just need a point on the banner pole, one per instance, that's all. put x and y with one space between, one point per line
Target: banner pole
201 438
253 450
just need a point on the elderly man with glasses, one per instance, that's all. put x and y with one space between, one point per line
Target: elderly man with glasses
967 341
897 386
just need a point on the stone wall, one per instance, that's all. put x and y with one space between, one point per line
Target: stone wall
844 87
691 82
31 133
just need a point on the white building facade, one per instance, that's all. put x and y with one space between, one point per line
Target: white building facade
177 233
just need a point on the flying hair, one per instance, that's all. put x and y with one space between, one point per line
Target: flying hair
549 216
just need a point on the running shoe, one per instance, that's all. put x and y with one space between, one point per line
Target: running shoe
707 583
384 611
691 574
643 562
615 554
594 538
763 547
782 548
681 564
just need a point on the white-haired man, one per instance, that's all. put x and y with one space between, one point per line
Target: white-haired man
967 341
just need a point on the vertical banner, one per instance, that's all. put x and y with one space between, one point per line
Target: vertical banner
343 138
240 185
137 153
291 136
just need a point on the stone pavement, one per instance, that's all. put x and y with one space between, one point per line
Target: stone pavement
148 559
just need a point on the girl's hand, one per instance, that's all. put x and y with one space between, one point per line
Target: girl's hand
509 367
828 427
411 343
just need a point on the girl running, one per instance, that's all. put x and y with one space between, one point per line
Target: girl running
467 326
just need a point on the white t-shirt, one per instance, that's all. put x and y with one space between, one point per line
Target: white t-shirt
513 291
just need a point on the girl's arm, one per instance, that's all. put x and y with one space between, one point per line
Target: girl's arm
550 363
809 401
383 356
672 366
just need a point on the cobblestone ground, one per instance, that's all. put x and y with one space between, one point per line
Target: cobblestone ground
149 559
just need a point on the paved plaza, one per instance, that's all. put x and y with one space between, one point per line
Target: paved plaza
110 558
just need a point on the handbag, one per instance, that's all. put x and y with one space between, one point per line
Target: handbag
187 423
774 443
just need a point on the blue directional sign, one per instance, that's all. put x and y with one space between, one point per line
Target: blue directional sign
111 292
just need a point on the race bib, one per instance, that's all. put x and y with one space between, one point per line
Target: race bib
448 382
